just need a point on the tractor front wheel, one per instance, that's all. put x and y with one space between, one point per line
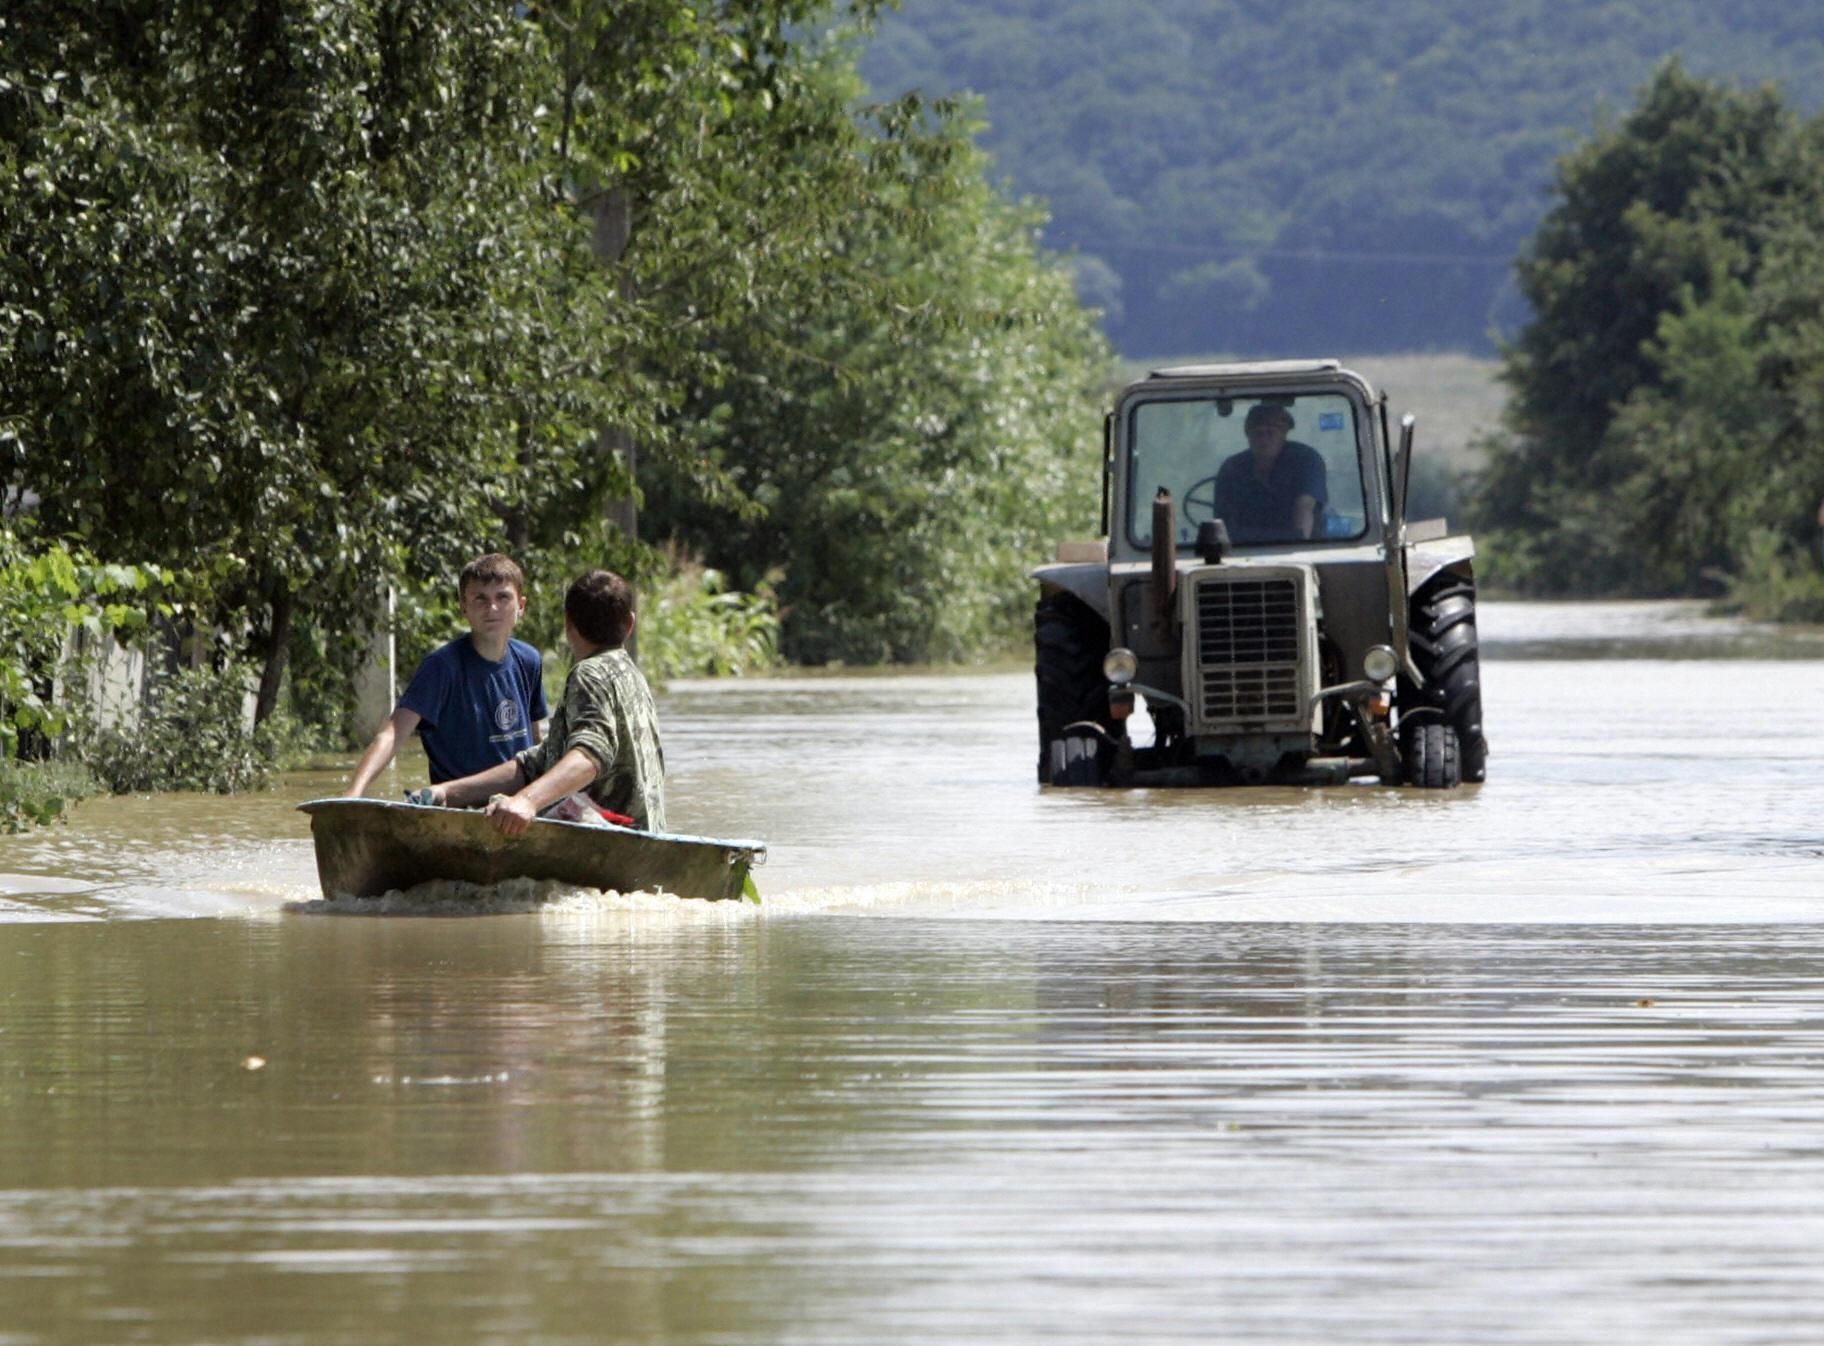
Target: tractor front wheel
1069 642
1429 751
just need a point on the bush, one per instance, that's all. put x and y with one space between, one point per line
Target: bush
50 590
193 736
1776 582
692 625
33 794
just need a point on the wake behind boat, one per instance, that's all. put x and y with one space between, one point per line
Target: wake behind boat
367 847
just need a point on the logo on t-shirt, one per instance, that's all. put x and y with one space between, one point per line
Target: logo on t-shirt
506 714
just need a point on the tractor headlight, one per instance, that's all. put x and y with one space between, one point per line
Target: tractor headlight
1378 664
1119 666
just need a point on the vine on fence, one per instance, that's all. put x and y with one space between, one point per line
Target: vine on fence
48 592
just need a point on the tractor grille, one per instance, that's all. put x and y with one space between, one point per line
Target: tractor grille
1250 694
1248 637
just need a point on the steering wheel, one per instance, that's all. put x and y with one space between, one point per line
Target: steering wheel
1200 497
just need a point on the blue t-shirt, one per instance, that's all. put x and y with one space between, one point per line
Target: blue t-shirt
475 714
1259 511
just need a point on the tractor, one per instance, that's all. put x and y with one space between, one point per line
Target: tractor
1258 609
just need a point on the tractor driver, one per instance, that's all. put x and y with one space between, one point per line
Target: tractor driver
1273 490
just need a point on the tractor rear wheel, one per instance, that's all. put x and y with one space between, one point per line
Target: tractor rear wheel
1442 628
1069 642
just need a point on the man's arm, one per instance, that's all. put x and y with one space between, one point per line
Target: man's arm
1304 514
381 749
1312 486
472 790
513 814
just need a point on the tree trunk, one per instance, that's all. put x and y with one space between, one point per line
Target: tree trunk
613 232
624 512
277 651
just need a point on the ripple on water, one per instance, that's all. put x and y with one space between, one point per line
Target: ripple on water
457 898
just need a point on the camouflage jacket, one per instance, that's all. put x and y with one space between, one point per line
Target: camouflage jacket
608 712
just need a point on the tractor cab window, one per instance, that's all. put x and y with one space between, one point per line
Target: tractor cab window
1275 470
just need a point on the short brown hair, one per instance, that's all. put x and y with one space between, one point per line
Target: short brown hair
600 605
1262 412
491 569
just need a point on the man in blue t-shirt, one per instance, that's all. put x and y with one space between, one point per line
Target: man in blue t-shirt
1274 491
476 701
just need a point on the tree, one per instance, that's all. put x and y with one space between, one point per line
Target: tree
901 455
1723 463
684 130
304 299
870 376
1637 277
290 301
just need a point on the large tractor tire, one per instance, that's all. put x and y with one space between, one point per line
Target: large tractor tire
1428 749
1069 642
1442 627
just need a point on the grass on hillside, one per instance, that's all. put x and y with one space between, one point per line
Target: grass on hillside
1457 399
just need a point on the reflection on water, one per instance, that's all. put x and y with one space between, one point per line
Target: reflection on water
1535 1062
1643 630
845 1129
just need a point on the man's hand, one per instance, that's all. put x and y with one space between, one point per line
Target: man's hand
511 814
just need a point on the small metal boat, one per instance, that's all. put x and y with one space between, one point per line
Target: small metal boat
367 847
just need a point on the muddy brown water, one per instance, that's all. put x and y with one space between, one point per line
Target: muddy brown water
1540 1061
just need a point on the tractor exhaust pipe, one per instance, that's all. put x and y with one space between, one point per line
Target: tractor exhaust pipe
1165 555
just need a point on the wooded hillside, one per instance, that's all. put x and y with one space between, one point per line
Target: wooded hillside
1312 175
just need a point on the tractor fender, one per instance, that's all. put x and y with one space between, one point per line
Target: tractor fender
1425 559
1086 580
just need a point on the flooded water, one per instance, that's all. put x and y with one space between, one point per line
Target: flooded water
1540 1061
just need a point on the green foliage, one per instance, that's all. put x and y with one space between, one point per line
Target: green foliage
900 463
36 794
317 301
1663 435
286 294
876 376
1774 582
49 592
1376 167
693 625
1650 215
193 736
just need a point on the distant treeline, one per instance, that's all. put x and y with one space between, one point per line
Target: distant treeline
1314 175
